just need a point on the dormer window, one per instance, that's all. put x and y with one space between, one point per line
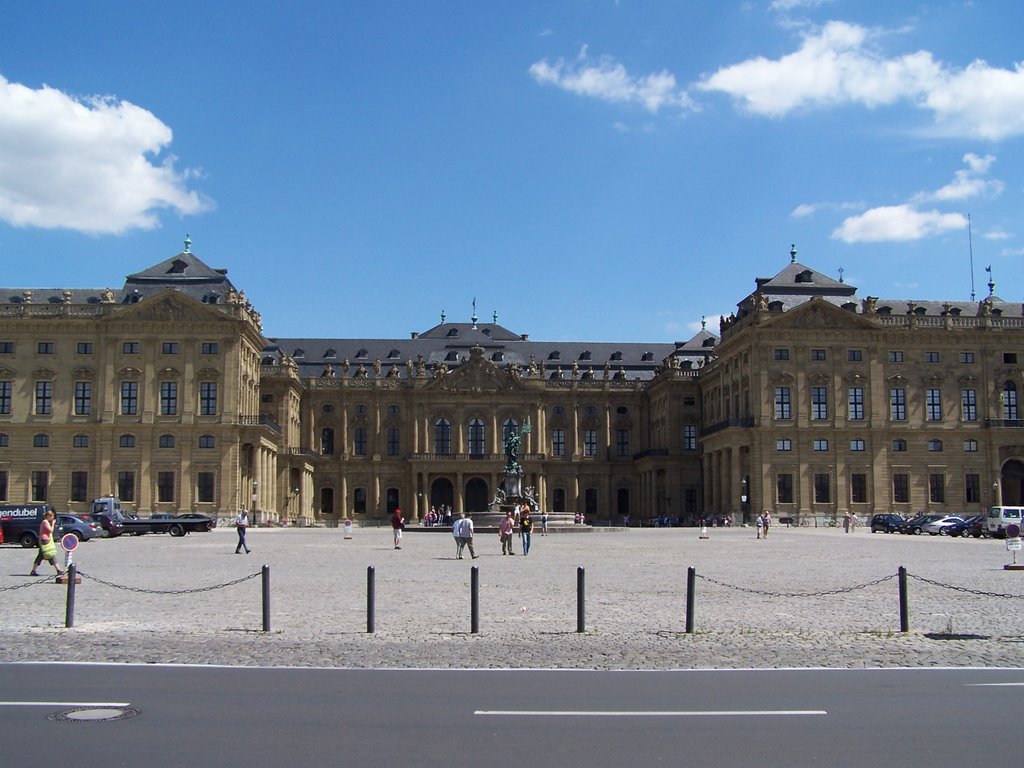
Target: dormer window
585 354
804 277
647 357
453 332
616 356
331 352
299 352
498 357
177 267
556 355
361 354
394 354
452 357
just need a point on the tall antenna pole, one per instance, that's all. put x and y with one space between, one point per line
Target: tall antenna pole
970 247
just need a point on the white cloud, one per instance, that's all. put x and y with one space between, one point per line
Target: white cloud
967 183
804 210
1012 252
85 164
608 80
838 66
897 223
997 234
790 5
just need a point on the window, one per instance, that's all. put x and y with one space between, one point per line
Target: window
394 441
899 445
901 488
1009 358
931 357
819 403
168 398
558 442
590 410
443 437
83 398
933 404
783 444
83 348
6 387
558 500
359 501
855 403
476 437
3 485
966 358
935 446
5 440
80 441
44 348
622 442
857 444
79 486
394 410
169 348
165 486
508 426
126 441
126 486
818 355
855 355
210 348
783 403
969 404
972 489
822 489
129 399
590 442
40 480
689 437
898 404
859 489
208 398
130 348
44 398
41 441
781 354
205 483
970 446
937 488
784 488
895 356
1009 401
820 444
207 442
6 347
359 441
327 441
166 441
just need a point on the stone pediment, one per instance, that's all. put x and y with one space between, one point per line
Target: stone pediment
168 306
476 375
820 315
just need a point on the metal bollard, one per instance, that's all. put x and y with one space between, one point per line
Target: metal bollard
474 600
581 599
266 598
371 600
69 610
904 607
691 583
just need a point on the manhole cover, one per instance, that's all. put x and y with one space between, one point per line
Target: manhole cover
92 714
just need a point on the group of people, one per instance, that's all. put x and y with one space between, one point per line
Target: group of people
435 516
462 530
763 523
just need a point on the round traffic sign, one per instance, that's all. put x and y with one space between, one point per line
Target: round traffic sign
1012 531
69 542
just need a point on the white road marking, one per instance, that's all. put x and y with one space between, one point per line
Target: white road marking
652 713
992 685
62 704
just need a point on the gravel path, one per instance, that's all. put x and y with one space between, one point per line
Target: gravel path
635 601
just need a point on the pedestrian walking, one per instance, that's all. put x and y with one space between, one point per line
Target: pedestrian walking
242 525
505 528
767 522
760 526
397 526
544 523
525 529
463 532
47 546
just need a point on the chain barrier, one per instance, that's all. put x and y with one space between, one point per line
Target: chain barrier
823 593
193 591
41 580
966 590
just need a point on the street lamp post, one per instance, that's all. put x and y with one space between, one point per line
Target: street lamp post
255 498
743 498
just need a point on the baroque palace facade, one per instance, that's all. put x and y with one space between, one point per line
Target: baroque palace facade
809 403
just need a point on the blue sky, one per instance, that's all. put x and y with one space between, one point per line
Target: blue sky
589 170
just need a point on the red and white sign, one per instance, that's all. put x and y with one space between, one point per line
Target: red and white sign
69 542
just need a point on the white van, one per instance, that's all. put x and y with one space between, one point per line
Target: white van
1000 517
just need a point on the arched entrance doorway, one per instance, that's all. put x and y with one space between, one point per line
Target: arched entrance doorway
476 495
442 493
1011 482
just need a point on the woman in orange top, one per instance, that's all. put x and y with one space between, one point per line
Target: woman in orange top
47 546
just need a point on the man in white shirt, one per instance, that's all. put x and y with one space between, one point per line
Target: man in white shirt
462 530
241 524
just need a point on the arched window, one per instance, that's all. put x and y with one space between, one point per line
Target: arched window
1010 412
476 437
359 441
443 437
207 441
507 427
166 441
327 441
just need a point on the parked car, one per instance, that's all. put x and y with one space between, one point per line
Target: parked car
974 526
950 525
886 523
82 528
914 525
111 524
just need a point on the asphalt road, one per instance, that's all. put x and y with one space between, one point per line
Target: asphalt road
218 716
